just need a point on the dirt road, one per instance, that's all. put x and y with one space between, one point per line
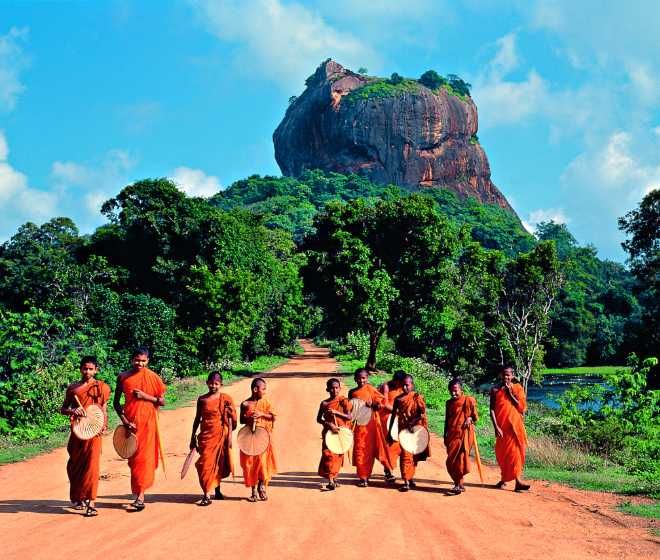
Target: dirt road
300 520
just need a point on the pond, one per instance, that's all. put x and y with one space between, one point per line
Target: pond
553 386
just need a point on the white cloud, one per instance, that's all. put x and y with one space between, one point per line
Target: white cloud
12 62
194 182
504 101
281 42
556 215
92 182
18 201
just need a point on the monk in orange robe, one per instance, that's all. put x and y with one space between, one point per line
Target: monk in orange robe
217 417
144 392
508 403
368 441
460 414
258 469
410 410
391 390
334 413
83 466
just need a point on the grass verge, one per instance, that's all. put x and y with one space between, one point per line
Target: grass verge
181 392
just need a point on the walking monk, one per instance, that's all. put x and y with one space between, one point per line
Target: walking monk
258 469
391 390
217 417
460 414
84 455
409 409
507 406
144 392
368 441
334 413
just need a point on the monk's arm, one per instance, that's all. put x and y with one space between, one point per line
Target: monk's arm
474 414
320 417
510 393
158 401
70 407
444 432
498 430
244 418
395 409
196 421
116 403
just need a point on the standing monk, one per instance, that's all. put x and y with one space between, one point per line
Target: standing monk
460 414
334 413
217 416
391 390
507 406
256 411
84 455
410 410
144 392
369 441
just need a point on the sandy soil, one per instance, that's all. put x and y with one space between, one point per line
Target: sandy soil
300 520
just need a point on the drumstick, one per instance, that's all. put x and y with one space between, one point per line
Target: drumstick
477 457
160 445
79 403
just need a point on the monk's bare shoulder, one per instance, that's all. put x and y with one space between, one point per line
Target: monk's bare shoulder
352 392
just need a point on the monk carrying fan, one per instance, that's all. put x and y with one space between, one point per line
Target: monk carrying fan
334 413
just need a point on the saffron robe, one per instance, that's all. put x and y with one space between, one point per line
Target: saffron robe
393 449
143 414
215 461
260 467
331 463
411 406
510 448
83 466
369 441
459 440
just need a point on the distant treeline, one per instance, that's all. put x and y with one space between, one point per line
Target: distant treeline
269 259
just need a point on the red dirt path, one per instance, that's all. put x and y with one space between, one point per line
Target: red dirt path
300 520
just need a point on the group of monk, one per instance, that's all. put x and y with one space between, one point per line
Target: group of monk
143 392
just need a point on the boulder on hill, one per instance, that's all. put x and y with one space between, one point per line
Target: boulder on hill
392 131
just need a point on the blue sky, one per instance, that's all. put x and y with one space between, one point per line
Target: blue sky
95 95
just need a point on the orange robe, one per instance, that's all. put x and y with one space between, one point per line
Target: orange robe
459 440
410 406
331 463
369 441
510 448
83 466
260 467
215 461
142 413
393 449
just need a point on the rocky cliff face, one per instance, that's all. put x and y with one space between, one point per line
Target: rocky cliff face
408 135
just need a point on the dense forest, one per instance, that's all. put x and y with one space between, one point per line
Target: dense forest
273 258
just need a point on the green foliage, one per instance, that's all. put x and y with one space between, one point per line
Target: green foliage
380 88
619 418
642 226
431 79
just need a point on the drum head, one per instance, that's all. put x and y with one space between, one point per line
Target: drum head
340 442
415 441
186 464
360 413
253 443
86 427
394 432
125 442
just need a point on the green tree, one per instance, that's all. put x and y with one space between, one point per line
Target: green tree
642 226
530 284
431 79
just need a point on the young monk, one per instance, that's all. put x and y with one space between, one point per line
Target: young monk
144 392
460 414
391 390
217 416
410 409
259 469
84 455
334 413
507 406
368 441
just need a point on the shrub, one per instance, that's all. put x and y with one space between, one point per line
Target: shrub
431 79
